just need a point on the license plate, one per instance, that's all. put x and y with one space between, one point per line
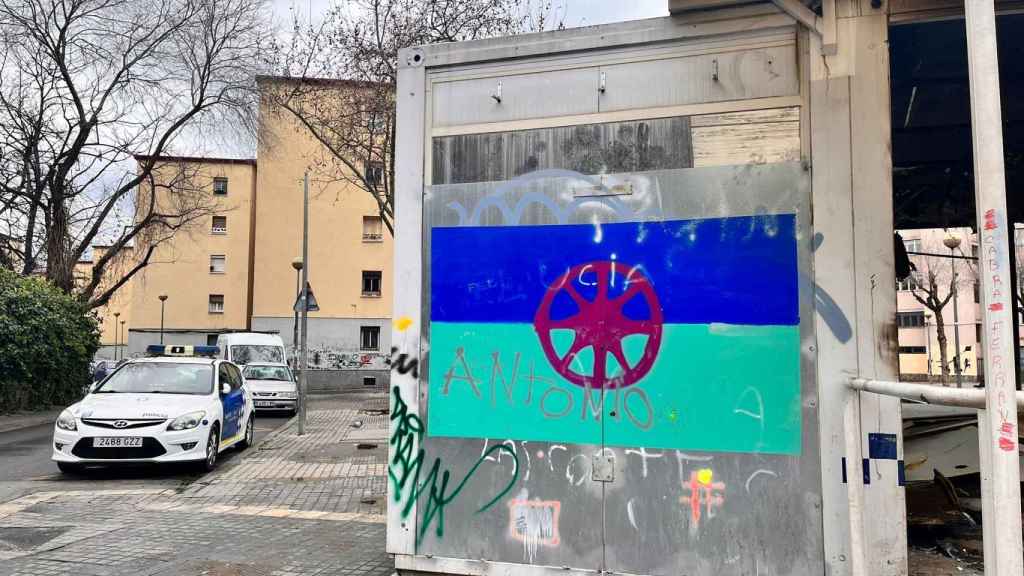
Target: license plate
116 442
264 404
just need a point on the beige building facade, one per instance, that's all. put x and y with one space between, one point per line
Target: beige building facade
350 254
113 319
231 269
205 269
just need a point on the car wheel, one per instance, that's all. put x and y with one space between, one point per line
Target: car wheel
212 446
69 468
250 433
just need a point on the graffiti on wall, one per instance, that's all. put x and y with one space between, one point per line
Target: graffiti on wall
411 479
330 358
534 523
673 331
703 495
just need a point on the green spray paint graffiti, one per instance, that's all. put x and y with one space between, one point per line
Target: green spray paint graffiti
406 467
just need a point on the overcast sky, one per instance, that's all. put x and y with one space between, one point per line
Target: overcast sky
575 12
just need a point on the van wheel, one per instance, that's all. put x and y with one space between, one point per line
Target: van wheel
209 463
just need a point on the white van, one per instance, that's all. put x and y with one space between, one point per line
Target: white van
244 347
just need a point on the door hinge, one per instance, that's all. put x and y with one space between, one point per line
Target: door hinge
603 469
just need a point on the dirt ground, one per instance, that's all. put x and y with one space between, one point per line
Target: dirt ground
933 562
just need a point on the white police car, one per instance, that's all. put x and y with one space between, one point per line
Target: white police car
182 404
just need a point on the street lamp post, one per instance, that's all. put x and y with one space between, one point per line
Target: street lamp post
163 298
953 242
297 264
124 338
117 336
304 302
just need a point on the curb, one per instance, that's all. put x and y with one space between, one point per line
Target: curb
18 422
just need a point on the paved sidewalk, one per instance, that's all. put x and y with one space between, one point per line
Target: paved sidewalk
294 505
21 420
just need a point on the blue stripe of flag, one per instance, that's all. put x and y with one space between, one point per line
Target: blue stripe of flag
740 270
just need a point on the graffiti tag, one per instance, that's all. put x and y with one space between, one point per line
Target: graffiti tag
406 468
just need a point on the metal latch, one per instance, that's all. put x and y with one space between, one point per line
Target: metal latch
603 469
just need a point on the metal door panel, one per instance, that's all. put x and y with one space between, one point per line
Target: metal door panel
517 97
754 508
524 500
743 74
550 501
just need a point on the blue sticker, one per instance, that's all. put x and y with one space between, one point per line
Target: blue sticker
881 446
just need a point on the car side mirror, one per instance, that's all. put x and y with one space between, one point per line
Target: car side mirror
225 388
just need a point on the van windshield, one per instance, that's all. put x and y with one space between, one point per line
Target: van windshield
242 354
159 378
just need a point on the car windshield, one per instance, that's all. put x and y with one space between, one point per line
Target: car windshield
256 372
245 353
159 378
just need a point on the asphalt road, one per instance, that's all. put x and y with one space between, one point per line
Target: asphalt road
25 463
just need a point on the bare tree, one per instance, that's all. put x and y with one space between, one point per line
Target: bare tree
85 86
933 284
357 45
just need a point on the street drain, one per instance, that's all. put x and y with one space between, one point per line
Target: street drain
365 446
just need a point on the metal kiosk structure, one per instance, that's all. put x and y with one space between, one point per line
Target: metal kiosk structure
644 268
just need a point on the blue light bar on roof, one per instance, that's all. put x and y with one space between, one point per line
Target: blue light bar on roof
162 350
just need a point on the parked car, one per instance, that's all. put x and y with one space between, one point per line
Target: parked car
242 348
182 404
272 385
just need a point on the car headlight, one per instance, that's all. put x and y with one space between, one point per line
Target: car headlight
187 421
66 421
289 395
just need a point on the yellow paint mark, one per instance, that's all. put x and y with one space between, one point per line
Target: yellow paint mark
704 476
403 323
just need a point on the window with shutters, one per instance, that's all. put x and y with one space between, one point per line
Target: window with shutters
373 229
216 303
371 283
369 337
217 262
220 225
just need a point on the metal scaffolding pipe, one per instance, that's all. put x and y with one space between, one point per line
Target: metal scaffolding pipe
1002 491
928 393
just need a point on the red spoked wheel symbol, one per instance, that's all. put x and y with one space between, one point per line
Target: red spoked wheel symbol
601 324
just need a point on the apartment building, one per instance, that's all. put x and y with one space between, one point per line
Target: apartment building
920 351
205 269
231 268
114 319
350 253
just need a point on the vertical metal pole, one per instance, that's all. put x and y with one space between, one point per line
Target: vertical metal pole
1000 435
161 321
295 325
988 529
855 482
305 296
956 326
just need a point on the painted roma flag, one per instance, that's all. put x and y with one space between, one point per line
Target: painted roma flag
676 334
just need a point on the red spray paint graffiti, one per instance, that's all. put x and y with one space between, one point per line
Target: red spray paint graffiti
601 324
703 495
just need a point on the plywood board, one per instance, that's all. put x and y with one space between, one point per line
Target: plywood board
746 143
